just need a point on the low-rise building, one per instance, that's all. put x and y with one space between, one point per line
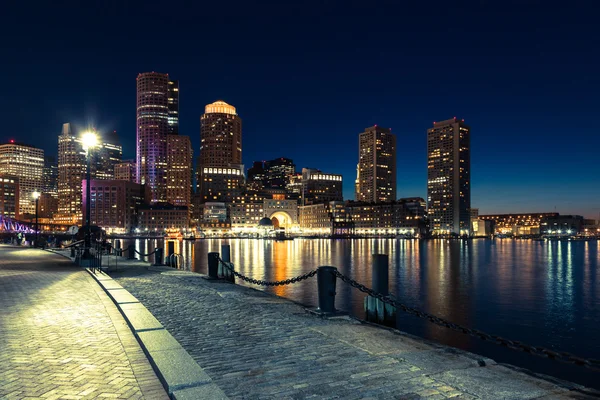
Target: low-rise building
562 225
245 212
214 217
391 218
521 224
482 228
163 217
282 212
319 187
115 204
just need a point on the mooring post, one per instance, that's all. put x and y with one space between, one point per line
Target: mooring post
131 252
213 265
374 308
118 251
158 256
326 281
225 256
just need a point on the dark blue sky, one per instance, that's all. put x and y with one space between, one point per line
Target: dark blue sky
307 77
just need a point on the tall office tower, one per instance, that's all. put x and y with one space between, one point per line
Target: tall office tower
26 163
105 156
449 177
179 160
278 172
152 131
72 166
376 173
173 104
9 196
220 170
220 136
50 176
319 187
125 171
255 181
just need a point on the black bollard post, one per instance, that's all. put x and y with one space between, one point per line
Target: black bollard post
131 252
73 251
380 273
213 265
118 247
170 252
225 256
158 256
326 281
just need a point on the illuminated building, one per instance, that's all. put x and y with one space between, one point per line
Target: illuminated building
26 163
50 176
179 173
449 177
561 225
376 171
220 136
114 204
214 216
173 106
278 172
331 218
246 211
9 196
282 212
47 205
256 177
295 184
161 217
319 187
404 216
156 118
221 184
517 224
125 171
72 166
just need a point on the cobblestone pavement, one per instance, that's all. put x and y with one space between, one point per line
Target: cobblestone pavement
61 337
257 346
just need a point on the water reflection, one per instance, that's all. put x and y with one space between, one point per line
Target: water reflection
544 293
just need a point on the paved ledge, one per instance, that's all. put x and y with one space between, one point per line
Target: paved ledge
180 375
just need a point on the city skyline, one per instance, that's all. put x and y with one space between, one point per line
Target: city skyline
520 92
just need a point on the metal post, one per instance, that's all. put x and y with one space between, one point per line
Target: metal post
158 256
171 251
88 206
326 281
380 273
131 252
36 221
118 247
213 265
225 256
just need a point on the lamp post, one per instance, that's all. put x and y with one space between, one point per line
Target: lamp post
88 140
36 197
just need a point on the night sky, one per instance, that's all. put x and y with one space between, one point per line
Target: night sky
307 78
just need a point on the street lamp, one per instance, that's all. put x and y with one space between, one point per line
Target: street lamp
36 197
88 140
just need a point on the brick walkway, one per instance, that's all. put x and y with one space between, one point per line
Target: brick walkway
61 337
256 346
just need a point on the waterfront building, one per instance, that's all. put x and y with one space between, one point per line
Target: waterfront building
330 218
391 218
294 187
179 173
245 212
282 212
221 184
517 224
173 107
320 187
220 136
47 205
214 219
9 196
255 181
155 120
26 163
125 171
376 170
72 166
278 172
115 203
162 217
562 225
50 176
449 177
482 227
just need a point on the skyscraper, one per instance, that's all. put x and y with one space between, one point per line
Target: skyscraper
220 170
179 176
376 171
153 125
125 171
220 136
173 101
50 176
26 163
449 177
319 187
105 156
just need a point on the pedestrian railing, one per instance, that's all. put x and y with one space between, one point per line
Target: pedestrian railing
326 282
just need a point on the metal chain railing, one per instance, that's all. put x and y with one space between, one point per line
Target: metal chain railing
300 278
512 344
143 255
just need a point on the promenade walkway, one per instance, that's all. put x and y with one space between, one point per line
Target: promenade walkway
61 337
257 346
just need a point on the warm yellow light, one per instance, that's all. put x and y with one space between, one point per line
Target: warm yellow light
89 140
35 195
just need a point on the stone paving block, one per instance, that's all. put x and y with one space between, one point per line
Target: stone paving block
208 391
178 369
158 340
139 318
122 296
110 284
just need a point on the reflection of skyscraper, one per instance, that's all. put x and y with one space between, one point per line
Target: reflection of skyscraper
153 125
376 172
448 177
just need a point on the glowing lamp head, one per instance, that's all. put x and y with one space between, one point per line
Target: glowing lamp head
35 195
89 140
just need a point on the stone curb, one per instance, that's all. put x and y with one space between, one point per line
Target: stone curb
180 375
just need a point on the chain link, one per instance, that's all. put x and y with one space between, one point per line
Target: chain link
511 344
300 278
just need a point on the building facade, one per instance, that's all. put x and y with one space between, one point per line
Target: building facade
391 218
449 177
376 171
153 127
163 217
220 136
47 205
50 176
517 224
125 171
562 225
320 187
221 184
179 173
26 163
114 204
245 212
9 196
106 156
173 107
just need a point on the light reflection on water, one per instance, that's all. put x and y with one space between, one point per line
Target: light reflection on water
543 293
